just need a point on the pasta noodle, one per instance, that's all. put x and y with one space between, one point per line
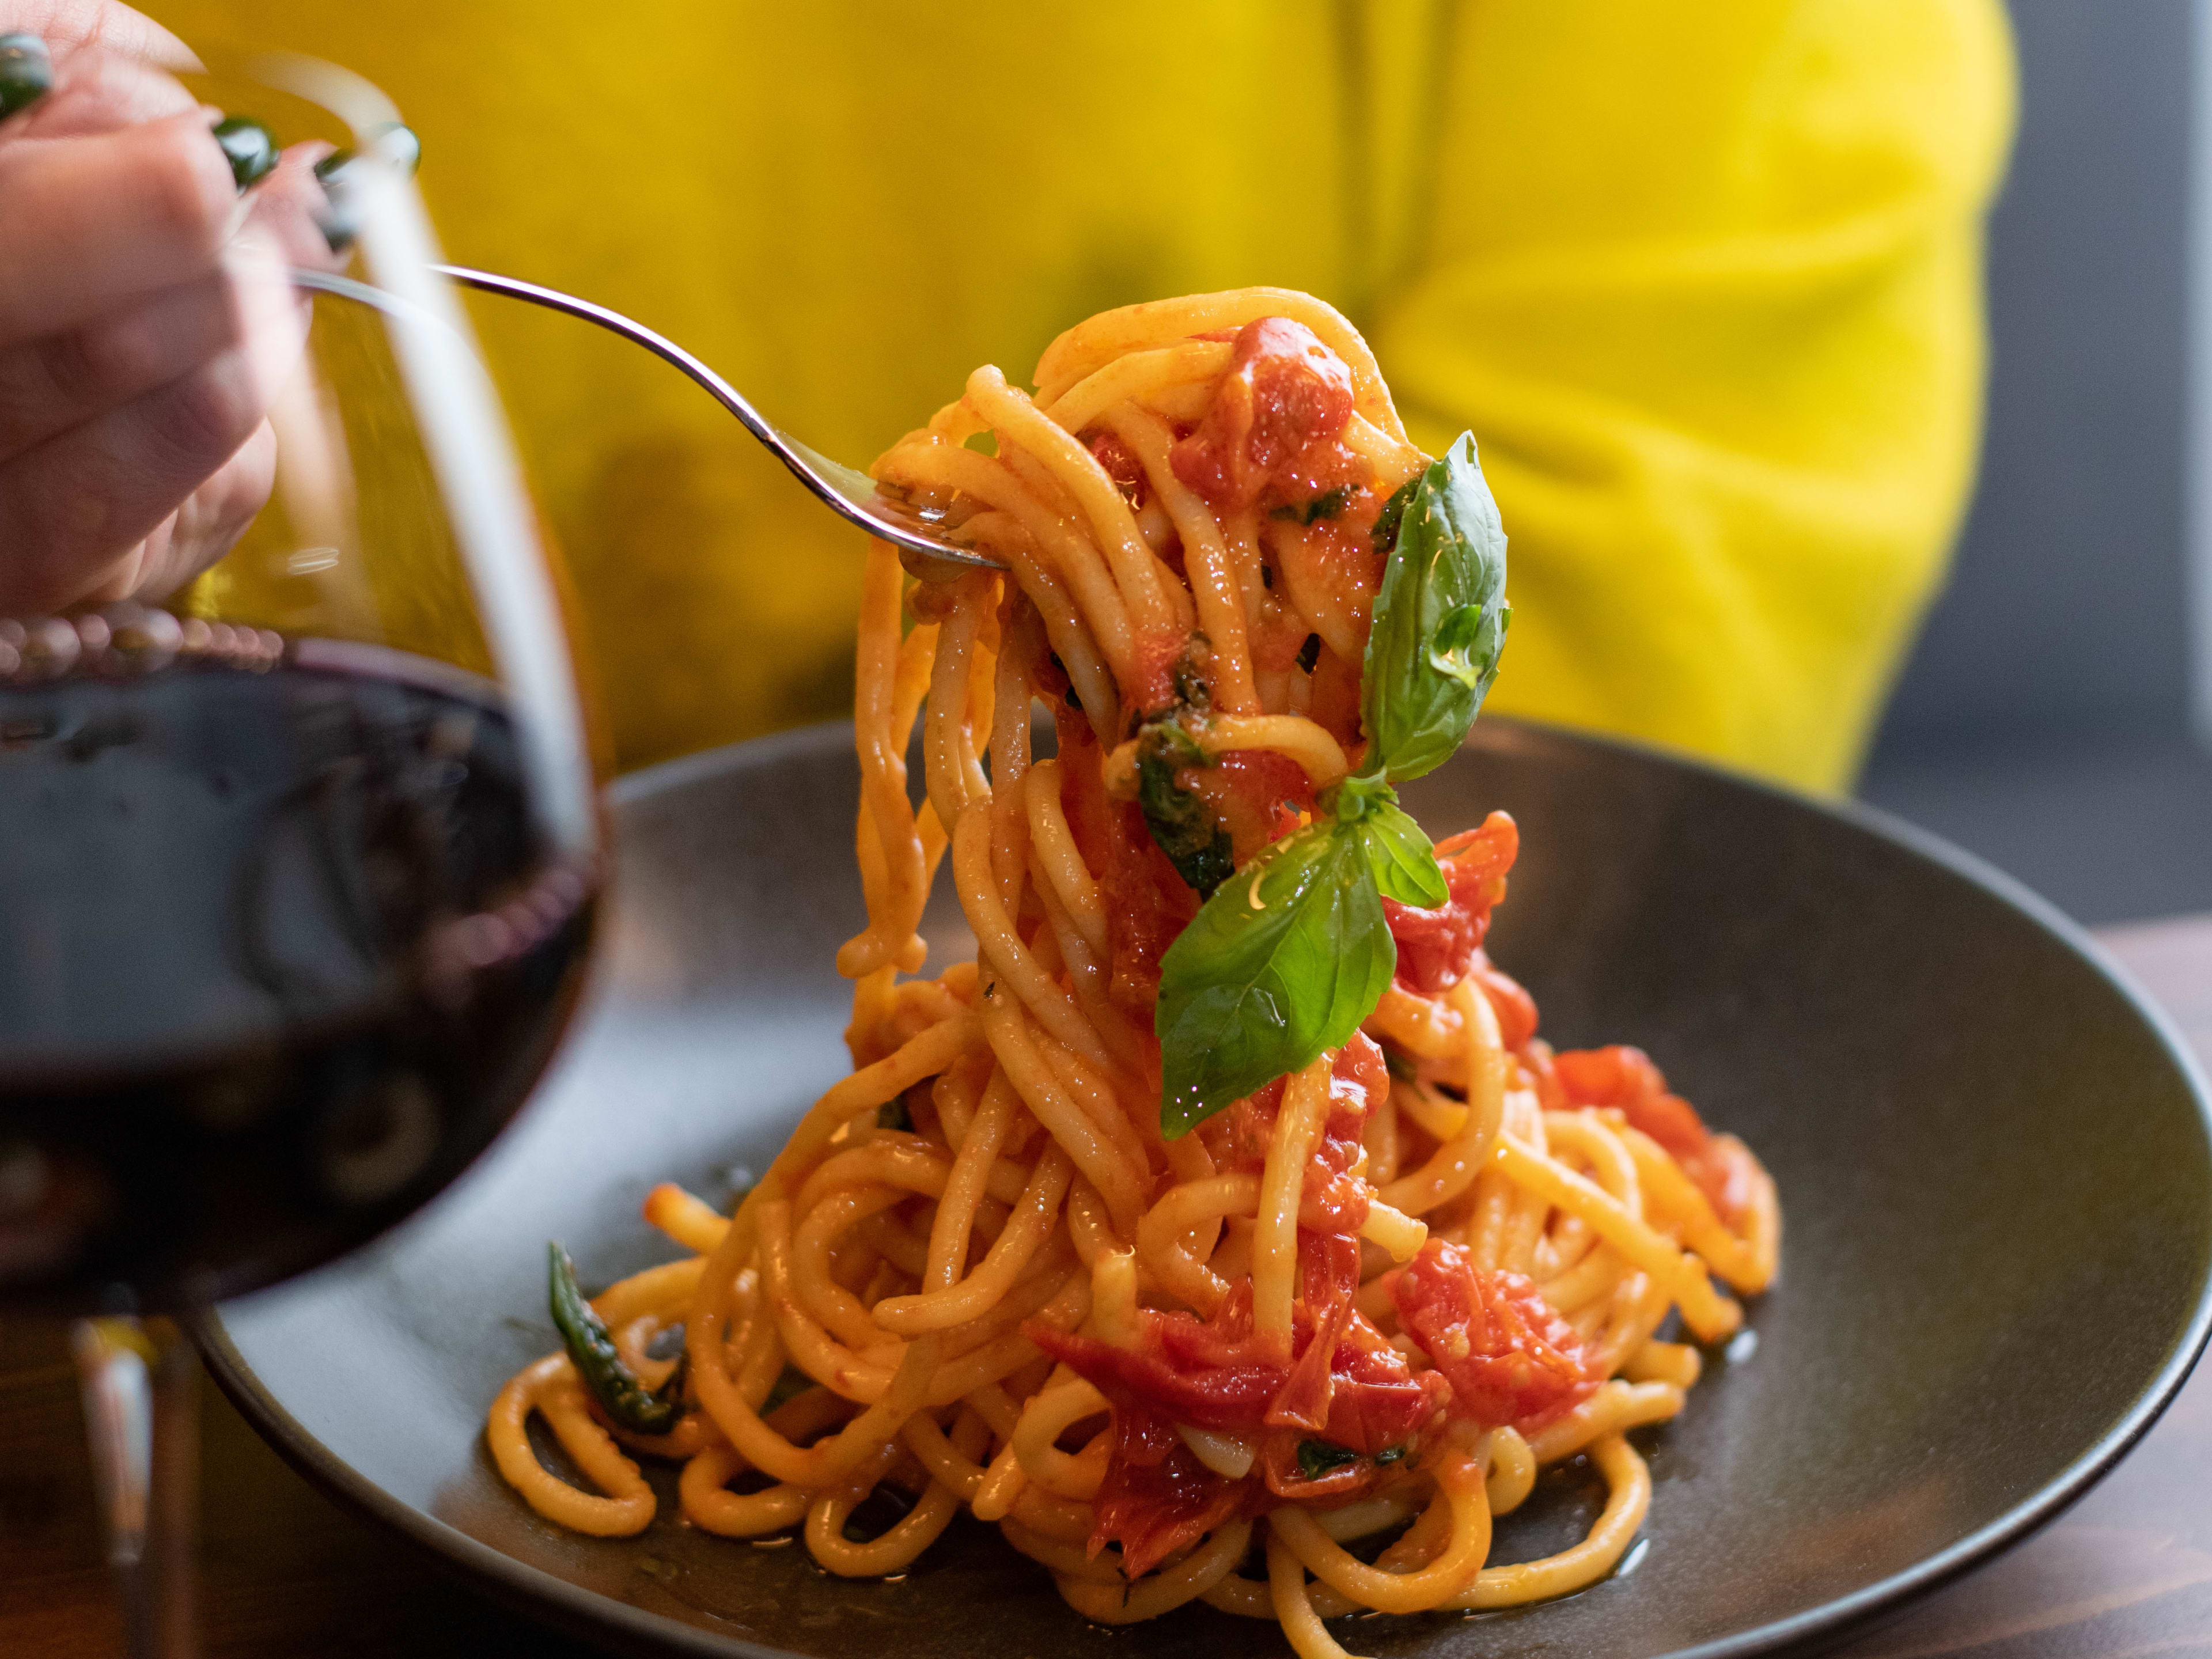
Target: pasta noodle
995 1269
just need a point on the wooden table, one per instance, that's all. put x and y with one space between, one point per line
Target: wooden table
286 1575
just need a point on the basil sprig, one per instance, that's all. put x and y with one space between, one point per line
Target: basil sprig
1291 953
1283 961
1440 617
1400 855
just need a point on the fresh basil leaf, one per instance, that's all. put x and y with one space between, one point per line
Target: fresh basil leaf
1401 857
1283 961
1393 514
1184 827
1391 1455
1317 1457
1468 642
1440 617
1327 505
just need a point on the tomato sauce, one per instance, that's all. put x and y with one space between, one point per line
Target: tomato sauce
1343 1382
1147 903
1258 795
1510 1001
1120 463
1335 1199
1509 1357
1500 1353
1152 689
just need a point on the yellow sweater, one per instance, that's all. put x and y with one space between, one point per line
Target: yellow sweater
1707 292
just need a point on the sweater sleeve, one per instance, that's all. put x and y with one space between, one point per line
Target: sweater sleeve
1710 299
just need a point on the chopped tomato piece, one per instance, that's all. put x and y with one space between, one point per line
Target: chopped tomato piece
1227 1397
1285 1476
1156 1496
1331 1270
1728 1174
1509 1357
1284 393
1341 1380
1542 1069
1377 1402
1436 948
1237 1139
1360 1077
1624 1077
1334 1199
1148 905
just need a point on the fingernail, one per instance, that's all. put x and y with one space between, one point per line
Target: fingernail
396 142
249 147
27 72
336 219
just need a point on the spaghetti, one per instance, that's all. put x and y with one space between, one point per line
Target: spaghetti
1225 1211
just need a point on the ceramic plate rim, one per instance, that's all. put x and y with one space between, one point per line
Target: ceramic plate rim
536 1592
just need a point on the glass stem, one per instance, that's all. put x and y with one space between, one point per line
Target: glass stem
139 1380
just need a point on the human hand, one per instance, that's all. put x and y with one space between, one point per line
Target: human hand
146 323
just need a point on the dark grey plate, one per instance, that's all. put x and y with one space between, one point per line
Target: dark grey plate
1993 1156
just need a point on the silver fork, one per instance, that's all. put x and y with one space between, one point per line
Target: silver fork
850 494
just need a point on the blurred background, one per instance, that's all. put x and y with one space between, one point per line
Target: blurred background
2051 716
2043 719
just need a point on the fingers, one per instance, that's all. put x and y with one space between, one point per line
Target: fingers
94 223
289 207
200 532
68 25
145 321
78 502
88 497
49 385
97 91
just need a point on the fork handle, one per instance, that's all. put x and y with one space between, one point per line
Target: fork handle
839 487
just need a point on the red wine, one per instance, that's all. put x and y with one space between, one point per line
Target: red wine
281 951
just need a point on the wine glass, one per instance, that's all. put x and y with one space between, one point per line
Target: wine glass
298 857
